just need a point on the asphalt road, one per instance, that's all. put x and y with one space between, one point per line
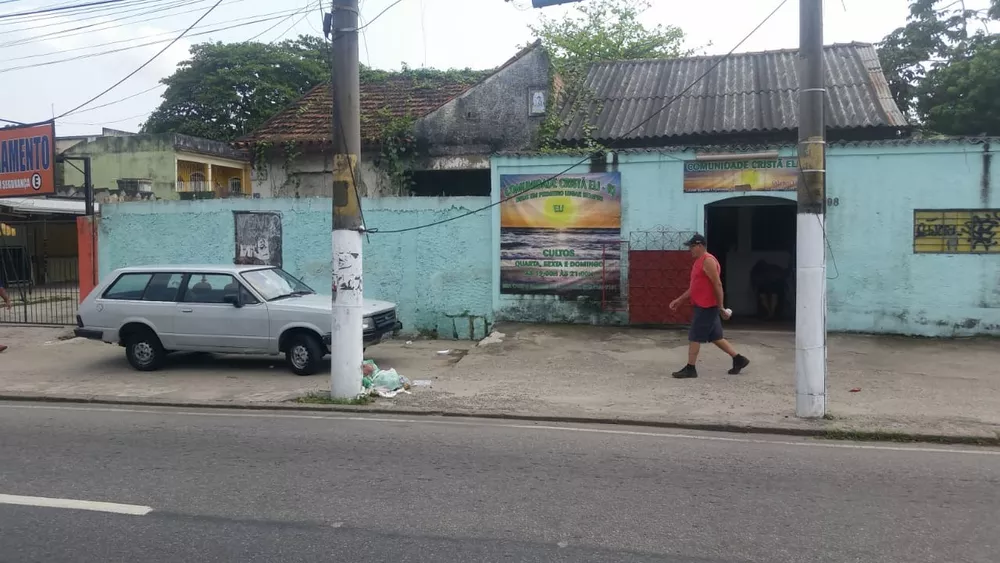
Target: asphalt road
254 487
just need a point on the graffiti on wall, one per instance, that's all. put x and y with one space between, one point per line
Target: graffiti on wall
956 231
561 236
779 174
258 238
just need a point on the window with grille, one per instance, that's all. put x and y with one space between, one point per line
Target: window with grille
236 186
198 183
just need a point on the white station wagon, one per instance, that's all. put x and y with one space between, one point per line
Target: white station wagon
155 310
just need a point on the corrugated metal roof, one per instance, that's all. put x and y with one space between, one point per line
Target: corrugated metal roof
746 92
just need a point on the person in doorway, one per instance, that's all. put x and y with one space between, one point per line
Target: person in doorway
705 293
6 304
769 281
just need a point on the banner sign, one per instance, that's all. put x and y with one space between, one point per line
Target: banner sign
561 236
778 175
27 160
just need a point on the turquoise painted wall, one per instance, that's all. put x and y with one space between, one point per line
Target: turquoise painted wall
875 281
440 277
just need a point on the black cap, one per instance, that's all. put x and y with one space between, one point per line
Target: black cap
696 239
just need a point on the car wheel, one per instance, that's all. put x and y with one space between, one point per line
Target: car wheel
304 354
144 351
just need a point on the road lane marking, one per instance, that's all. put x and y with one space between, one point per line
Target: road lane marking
44 502
495 423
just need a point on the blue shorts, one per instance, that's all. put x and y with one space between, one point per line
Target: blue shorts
706 325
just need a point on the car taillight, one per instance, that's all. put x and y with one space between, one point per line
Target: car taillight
79 321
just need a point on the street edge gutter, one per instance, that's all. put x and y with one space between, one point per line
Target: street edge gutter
843 434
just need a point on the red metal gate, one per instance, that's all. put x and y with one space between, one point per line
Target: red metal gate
659 269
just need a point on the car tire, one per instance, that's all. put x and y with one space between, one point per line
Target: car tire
304 354
144 350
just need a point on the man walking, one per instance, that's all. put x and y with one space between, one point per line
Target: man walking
705 292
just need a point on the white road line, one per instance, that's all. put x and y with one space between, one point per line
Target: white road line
130 509
494 423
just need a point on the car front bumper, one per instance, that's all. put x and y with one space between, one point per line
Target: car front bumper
371 337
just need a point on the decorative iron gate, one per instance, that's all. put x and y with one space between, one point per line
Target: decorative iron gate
659 270
39 267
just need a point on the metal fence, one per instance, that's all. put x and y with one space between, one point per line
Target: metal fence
39 268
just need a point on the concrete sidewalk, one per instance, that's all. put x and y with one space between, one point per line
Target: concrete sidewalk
910 386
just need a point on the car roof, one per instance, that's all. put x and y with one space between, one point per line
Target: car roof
193 268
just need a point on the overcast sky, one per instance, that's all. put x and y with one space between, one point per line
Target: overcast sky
432 33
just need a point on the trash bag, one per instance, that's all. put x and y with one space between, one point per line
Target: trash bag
388 379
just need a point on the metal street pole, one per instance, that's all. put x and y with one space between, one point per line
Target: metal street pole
346 345
810 291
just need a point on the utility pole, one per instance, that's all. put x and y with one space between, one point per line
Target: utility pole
346 343
810 291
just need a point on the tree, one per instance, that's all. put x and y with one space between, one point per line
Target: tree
607 30
225 91
938 67
597 30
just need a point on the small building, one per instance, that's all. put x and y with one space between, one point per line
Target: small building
424 133
158 166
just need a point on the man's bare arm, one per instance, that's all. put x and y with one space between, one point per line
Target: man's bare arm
5 297
711 267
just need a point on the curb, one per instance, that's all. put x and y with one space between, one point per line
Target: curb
844 434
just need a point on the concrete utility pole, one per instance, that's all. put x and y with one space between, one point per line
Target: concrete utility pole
347 348
810 291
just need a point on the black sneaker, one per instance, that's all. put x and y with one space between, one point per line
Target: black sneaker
687 372
739 362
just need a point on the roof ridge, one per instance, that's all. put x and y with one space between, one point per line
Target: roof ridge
830 47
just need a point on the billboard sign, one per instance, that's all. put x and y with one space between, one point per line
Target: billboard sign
27 160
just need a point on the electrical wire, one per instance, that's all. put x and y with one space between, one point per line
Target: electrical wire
145 64
140 45
58 9
585 160
65 33
380 14
119 41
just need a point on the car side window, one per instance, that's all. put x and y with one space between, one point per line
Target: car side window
128 287
210 288
163 287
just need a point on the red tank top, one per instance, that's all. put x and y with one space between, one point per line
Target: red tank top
702 292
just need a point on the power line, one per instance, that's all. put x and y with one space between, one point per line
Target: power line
119 41
64 33
585 160
139 46
58 9
145 64
380 14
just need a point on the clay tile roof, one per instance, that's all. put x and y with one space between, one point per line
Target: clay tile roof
388 97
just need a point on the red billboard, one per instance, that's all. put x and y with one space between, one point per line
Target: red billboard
27 160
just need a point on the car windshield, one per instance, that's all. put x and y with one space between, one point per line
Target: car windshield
275 283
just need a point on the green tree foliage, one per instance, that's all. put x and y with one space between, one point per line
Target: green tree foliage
226 90
607 30
942 67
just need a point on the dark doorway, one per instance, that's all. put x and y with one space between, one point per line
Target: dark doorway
754 239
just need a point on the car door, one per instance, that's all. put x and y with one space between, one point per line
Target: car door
204 321
138 297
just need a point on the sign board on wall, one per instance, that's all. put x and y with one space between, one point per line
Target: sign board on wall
770 175
561 236
27 160
258 238
956 231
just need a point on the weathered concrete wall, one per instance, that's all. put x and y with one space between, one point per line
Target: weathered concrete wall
440 277
492 116
114 158
876 283
310 174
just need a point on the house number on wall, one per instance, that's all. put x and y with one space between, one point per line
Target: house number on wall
832 201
